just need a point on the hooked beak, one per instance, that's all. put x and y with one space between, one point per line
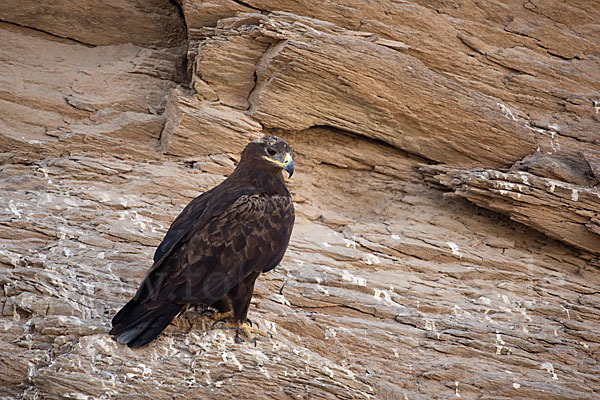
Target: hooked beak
289 167
287 164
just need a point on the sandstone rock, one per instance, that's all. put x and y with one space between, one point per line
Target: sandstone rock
563 211
146 23
111 121
198 128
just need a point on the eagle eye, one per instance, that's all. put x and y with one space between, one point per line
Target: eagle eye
271 151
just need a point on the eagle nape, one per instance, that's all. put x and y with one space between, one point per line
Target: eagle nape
216 248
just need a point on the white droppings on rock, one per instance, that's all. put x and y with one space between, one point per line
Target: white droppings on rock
347 276
281 299
430 325
271 326
350 243
145 370
459 311
140 220
524 177
224 358
43 171
382 295
500 343
321 288
103 197
574 195
371 259
456 389
30 369
395 237
235 362
328 371
13 209
330 333
506 111
516 385
12 256
454 247
207 373
524 314
326 244
484 300
596 105
76 396
487 317
548 366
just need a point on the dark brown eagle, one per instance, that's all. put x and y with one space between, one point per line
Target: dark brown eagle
216 248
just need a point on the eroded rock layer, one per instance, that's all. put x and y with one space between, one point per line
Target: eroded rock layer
410 121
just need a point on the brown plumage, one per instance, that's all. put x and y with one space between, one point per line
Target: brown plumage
217 247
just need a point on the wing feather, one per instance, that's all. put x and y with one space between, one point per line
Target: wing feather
217 253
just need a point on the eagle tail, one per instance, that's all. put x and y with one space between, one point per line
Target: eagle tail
136 326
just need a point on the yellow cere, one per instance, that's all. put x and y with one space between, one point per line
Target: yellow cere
287 159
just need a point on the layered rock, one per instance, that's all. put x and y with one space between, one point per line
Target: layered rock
563 211
394 286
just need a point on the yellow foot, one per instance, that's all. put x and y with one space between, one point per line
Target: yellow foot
218 317
245 332
248 332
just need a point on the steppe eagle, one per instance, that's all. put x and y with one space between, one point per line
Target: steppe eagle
217 247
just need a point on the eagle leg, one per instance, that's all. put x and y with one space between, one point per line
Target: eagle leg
243 331
218 316
240 297
246 332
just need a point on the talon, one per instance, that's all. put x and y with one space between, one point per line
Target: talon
218 316
221 321
244 331
249 322
208 313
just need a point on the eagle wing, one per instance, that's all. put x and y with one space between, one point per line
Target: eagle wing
182 224
216 254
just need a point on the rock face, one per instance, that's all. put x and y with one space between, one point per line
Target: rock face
448 211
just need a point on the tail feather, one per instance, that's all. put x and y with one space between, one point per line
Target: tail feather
131 313
136 326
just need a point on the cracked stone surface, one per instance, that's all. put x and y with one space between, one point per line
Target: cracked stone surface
448 215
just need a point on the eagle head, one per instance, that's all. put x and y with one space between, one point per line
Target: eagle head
270 152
